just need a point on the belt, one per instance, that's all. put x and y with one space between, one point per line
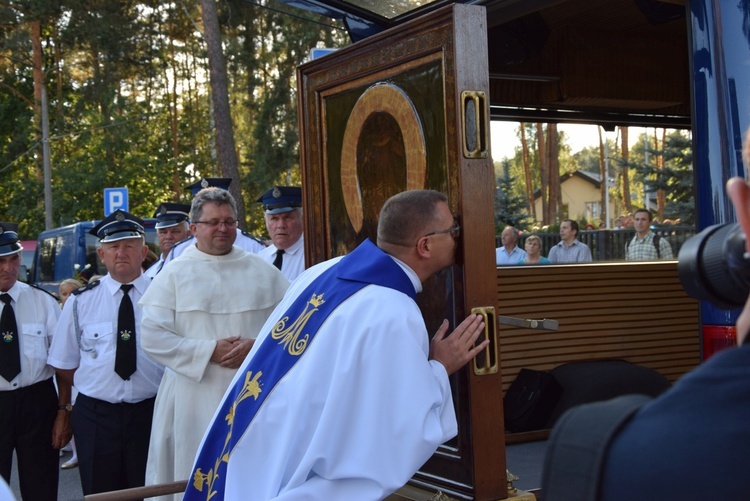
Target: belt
27 389
97 401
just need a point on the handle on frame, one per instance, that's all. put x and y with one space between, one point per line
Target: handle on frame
486 362
474 124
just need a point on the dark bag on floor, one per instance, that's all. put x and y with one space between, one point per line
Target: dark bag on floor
530 400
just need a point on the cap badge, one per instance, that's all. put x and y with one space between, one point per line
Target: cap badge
120 216
276 192
163 211
204 183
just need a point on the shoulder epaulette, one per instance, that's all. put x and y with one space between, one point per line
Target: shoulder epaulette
86 287
174 246
190 237
45 291
252 237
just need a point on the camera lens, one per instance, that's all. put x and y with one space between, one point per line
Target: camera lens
713 266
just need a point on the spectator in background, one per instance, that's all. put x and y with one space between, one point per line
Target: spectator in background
67 287
533 248
149 261
569 249
646 245
509 253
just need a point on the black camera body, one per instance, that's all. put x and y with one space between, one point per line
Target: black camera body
714 266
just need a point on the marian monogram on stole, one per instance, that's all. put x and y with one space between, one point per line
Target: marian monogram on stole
292 341
290 336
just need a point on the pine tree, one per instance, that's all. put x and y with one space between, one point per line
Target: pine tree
675 178
510 208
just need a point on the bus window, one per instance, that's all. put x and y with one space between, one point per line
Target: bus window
647 168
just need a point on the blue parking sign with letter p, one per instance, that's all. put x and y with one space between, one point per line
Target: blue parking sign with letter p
115 198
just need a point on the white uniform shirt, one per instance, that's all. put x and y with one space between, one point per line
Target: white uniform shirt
293 262
36 316
95 358
503 257
155 268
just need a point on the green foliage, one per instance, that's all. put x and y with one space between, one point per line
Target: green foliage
129 102
588 159
510 208
676 178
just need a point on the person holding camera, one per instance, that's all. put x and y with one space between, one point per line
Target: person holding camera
691 442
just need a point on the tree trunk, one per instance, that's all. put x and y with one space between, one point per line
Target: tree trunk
603 173
661 199
543 171
626 201
174 128
553 161
38 71
225 147
527 172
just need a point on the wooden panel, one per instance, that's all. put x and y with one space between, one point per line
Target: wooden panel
632 311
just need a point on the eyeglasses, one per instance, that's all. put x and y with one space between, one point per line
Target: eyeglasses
229 223
455 231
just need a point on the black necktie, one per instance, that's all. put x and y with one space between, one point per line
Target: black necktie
10 354
279 258
125 358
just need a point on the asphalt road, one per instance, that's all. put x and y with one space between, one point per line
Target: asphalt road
524 460
69 488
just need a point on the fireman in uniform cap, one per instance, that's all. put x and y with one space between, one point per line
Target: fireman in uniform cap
171 227
98 342
244 240
283 216
34 421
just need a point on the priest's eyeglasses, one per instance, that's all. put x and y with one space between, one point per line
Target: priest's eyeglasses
454 230
213 223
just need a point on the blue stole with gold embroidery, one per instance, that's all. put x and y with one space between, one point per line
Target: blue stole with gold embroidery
287 342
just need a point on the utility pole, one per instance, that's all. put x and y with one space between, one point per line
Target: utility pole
646 194
607 224
46 161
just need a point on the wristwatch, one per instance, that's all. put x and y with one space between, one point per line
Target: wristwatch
66 407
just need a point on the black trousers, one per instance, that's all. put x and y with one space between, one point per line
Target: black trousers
112 443
26 419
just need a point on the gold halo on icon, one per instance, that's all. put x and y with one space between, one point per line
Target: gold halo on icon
382 98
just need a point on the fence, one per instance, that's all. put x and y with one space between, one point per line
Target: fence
609 245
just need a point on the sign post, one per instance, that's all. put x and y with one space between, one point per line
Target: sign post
115 198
